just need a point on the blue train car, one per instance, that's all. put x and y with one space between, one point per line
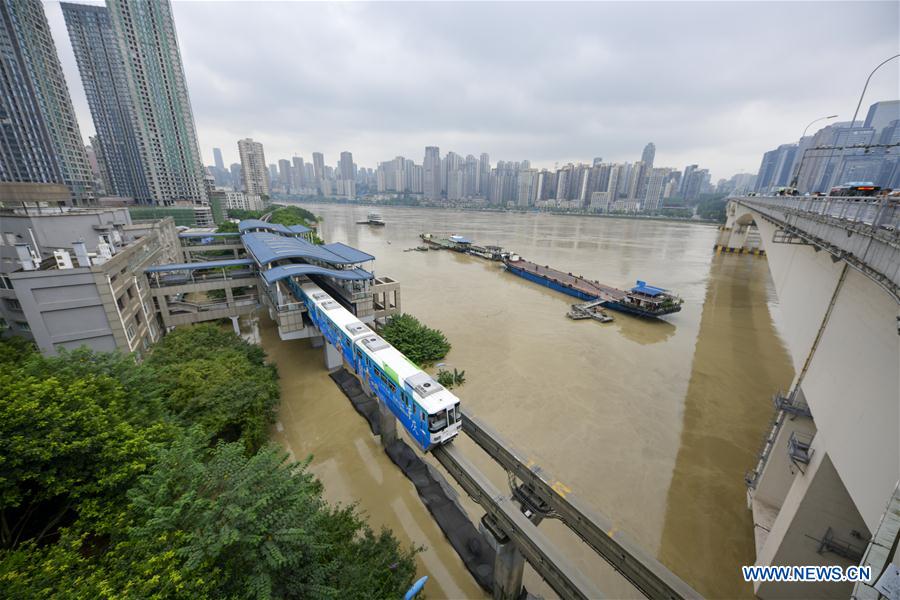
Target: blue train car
428 412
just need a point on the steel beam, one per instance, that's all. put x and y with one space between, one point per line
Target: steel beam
647 574
565 579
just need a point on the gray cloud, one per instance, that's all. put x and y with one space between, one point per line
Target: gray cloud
714 83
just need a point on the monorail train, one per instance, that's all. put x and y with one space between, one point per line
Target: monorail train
429 412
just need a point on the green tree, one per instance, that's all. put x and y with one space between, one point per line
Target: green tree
68 450
292 215
228 227
421 344
213 378
235 213
238 526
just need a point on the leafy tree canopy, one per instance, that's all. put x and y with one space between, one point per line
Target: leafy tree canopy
292 215
421 344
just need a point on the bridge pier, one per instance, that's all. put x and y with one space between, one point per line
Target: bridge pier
333 358
509 564
317 341
388 425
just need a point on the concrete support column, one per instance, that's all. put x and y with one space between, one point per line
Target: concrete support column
509 565
236 325
388 425
333 358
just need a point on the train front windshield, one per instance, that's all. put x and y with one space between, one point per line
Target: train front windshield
437 421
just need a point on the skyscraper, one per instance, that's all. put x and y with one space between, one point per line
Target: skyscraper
484 174
346 166
432 172
163 120
648 155
253 167
217 157
299 174
39 137
102 71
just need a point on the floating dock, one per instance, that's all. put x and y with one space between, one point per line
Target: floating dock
463 245
642 300
589 310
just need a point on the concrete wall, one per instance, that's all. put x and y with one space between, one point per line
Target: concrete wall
817 501
852 384
64 310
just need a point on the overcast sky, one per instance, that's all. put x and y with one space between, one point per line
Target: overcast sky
713 83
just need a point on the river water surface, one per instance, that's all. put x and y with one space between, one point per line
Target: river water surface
653 423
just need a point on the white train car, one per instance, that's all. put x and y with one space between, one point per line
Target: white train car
428 411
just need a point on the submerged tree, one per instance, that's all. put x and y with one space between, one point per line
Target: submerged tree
421 344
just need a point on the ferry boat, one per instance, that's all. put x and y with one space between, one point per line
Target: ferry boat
642 300
373 218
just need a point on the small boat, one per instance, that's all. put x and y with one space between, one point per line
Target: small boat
373 218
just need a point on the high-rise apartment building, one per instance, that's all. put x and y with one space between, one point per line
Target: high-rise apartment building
39 137
484 174
648 155
253 167
102 70
299 174
346 166
432 173
163 120
217 158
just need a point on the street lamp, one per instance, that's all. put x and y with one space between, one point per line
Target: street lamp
858 104
803 157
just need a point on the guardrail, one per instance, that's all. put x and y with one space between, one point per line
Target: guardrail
863 231
647 574
877 211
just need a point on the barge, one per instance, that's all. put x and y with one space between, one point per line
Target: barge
642 300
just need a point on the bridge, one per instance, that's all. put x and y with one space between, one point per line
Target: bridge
829 466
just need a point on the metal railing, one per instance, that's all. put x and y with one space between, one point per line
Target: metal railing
880 212
647 574
862 231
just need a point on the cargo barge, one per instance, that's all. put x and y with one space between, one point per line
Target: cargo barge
642 300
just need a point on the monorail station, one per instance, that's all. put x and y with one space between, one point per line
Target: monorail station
265 264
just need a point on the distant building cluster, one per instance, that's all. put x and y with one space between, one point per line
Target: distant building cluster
596 187
864 151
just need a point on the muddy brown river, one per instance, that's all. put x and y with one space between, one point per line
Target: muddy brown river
652 423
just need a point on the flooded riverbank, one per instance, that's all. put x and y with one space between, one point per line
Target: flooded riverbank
652 422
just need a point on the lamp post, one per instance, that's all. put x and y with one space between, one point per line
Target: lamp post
803 157
858 104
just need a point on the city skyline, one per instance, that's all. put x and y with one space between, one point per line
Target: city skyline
597 95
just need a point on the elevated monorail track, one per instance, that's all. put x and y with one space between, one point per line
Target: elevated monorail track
647 574
565 579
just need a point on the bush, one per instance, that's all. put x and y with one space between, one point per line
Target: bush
422 345
292 215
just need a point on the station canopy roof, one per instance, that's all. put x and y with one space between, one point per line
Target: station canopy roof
254 224
269 247
207 234
283 272
199 266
